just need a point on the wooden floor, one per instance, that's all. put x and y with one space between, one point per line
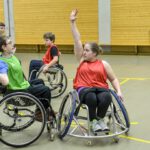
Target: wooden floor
134 76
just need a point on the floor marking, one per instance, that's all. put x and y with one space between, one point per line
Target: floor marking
73 124
135 139
134 123
70 79
124 81
21 113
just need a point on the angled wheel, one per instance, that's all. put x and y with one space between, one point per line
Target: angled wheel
120 112
66 112
18 122
55 79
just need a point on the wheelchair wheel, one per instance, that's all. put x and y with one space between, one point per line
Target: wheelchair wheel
18 122
55 79
66 113
120 113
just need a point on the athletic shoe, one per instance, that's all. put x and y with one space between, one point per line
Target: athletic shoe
103 125
95 126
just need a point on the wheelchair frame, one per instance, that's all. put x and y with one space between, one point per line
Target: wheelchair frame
18 120
118 119
56 84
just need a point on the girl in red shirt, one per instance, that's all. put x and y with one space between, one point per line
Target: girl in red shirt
91 78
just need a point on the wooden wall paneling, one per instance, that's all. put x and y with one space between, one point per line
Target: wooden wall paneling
130 22
1 11
33 18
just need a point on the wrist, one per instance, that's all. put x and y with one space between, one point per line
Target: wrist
72 21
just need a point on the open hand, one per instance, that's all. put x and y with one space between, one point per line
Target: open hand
73 15
45 69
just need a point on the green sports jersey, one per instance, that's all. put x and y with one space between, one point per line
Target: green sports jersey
15 74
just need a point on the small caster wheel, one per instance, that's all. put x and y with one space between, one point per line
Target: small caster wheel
89 143
116 140
52 137
95 133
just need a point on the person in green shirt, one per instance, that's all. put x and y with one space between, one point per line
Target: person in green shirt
17 81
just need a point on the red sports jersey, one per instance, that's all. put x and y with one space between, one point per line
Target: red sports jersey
91 74
47 57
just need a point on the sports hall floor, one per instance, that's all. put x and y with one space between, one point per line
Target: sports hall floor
133 73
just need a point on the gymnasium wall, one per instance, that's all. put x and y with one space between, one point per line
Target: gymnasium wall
1 11
130 26
130 22
33 18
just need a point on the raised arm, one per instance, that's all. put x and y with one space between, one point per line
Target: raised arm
78 48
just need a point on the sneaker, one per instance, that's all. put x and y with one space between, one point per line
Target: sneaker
103 125
95 126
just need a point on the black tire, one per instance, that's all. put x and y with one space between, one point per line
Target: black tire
55 79
18 125
65 118
120 112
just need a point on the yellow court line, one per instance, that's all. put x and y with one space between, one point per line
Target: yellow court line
70 79
134 123
127 79
83 123
124 81
135 139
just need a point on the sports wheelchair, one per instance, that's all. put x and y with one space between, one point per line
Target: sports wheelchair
54 78
76 123
19 123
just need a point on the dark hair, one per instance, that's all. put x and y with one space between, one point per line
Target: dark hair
50 36
2 24
2 42
95 48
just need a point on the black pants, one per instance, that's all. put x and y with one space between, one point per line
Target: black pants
34 67
39 90
97 101
42 92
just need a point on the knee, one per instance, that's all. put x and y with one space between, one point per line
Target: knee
107 97
91 100
32 63
47 89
